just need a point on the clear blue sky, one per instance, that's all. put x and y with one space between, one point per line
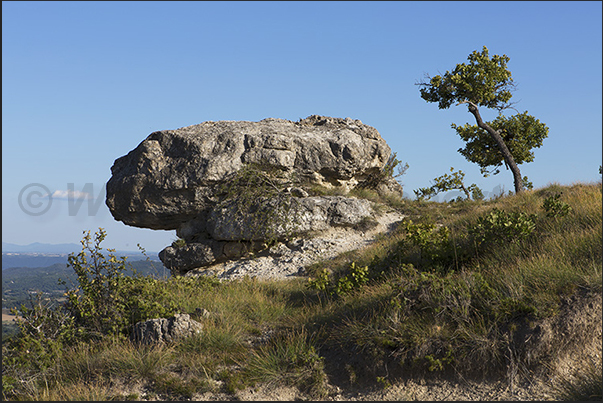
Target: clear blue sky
83 83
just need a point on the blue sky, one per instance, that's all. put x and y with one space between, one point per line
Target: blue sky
83 83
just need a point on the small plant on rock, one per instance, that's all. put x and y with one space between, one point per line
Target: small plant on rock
178 243
375 179
256 199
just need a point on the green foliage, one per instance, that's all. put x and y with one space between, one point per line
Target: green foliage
433 241
356 278
384 382
555 207
499 227
438 364
448 182
178 243
521 133
107 302
484 81
425 193
526 183
320 282
43 333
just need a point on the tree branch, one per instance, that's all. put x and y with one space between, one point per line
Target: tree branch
508 158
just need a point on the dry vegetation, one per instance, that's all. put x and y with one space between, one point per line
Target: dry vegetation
504 290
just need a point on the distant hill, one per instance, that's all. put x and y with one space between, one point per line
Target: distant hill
31 260
47 259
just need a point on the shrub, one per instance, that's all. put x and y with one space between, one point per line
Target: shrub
97 304
44 330
106 300
499 227
433 243
356 278
555 207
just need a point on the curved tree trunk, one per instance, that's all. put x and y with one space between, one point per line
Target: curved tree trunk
501 146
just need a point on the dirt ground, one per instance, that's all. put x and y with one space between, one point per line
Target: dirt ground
579 328
403 391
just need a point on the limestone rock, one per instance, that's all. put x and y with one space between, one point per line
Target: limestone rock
162 330
188 180
173 175
203 253
300 216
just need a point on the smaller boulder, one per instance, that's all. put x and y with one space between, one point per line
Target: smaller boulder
165 330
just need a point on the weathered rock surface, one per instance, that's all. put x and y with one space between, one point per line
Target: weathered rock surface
163 330
290 258
234 235
171 177
304 215
175 179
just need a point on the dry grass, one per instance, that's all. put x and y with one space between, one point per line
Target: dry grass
472 310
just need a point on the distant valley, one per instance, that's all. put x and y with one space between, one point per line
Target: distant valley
18 283
37 267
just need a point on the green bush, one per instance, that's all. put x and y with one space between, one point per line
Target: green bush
43 332
555 207
433 242
499 227
107 302
356 278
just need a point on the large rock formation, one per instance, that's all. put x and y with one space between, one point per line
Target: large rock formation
185 180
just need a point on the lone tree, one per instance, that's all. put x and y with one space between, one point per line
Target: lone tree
486 82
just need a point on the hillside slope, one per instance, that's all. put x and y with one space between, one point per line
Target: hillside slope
492 300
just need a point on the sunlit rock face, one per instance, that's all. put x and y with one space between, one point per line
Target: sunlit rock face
175 180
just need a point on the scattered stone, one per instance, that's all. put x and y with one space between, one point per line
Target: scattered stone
164 330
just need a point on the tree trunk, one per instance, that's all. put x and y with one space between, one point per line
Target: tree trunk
466 191
501 146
